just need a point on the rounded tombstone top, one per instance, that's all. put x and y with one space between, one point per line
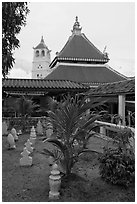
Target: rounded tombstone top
10 135
13 130
55 170
33 129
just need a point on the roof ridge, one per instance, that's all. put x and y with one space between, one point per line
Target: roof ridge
85 37
113 70
69 39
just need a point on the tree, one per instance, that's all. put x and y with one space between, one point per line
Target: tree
13 18
73 127
24 106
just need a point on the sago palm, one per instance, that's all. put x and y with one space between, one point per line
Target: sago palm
72 128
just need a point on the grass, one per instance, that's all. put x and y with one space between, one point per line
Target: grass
30 184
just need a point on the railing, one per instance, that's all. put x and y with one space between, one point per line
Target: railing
113 127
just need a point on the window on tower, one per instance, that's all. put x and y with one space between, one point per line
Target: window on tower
37 75
37 53
43 53
39 66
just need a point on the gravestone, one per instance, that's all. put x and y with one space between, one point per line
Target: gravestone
28 146
4 128
33 135
49 130
20 132
54 183
26 160
11 142
39 128
14 133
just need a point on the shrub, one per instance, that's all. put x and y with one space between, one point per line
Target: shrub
73 128
117 166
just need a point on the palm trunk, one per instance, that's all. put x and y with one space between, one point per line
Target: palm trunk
69 166
23 123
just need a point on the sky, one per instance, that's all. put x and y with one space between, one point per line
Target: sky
110 24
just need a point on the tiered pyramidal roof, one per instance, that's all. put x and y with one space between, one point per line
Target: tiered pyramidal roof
79 49
81 61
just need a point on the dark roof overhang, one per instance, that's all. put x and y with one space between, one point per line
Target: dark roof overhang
40 86
126 87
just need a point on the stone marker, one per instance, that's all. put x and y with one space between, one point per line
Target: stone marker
54 183
39 128
26 160
14 133
11 142
49 130
20 132
33 135
4 128
28 146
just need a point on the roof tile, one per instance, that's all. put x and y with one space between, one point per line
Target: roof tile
85 74
40 84
127 86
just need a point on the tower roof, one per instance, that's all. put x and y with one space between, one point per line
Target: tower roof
41 45
79 49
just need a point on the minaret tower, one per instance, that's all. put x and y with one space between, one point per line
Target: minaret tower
41 61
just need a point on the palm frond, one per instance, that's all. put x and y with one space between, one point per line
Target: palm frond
87 151
47 152
58 144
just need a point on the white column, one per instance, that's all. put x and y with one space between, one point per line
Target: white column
121 107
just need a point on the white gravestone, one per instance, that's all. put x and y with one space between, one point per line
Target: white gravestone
39 128
54 183
33 135
49 130
4 128
28 146
26 160
20 132
14 133
11 142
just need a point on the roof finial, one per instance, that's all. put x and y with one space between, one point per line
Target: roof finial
105 53
76 27
42 40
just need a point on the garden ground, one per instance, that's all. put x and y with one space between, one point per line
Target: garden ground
30 184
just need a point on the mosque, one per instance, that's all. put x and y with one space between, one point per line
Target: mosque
78 61
78 67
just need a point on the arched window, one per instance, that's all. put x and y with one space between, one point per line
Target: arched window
43 53
37 75
37 53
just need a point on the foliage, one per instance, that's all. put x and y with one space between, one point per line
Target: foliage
116 118
24 107
49 104
123 136
13 18
73 127
117 166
